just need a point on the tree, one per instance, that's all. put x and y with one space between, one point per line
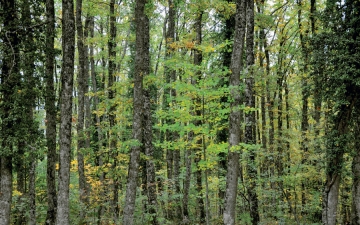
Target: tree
67 74
235 115
336 49
197 137
250 128
142 61
50 113
82 90
10 82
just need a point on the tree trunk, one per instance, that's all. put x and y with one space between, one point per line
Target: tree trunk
82 87
141 69
170 74
186 219
305 97
222 136
235 115
32 192
67 73
111 95
250 136
150 167
50 114
335 153
20 164
169 173
9 79
198 152
355 209
6 189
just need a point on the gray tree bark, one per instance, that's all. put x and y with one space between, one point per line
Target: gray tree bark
6 189
141 69
67 74
235 115
50 114
150 166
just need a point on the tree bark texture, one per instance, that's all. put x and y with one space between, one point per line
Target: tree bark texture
6 189
150 166
141 69
67 74
250 123
235 115
9 80
50 114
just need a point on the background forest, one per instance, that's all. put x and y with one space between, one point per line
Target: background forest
179 112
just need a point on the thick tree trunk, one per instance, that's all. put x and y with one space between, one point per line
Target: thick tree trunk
250 136
150 167
335 153
142 65
235 115
222 135
330 199
67 73
6 189
9 79
50 114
